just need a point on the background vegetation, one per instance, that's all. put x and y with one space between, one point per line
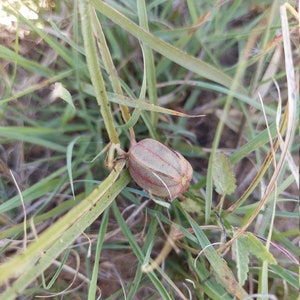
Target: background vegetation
80 79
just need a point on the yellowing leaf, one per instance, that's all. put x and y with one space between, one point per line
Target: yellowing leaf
136 103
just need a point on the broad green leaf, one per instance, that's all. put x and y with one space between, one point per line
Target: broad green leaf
241 253
257 248
223 273
191 205
223 176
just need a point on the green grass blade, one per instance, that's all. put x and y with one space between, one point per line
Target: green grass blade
43 187
27 64
95 71
148 61
180 57
139 254
39 255
32 135
100 239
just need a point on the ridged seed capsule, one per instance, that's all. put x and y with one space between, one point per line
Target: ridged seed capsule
158 169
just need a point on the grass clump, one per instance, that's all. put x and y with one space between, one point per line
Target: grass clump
80 81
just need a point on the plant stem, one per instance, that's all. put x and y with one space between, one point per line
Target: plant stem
95 71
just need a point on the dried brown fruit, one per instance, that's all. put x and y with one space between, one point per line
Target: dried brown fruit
158 169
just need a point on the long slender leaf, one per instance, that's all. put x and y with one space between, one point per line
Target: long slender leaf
39 255
191 63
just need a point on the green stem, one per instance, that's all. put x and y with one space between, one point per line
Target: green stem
110 67
148 61
95 71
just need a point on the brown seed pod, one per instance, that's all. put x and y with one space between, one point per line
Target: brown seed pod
158 169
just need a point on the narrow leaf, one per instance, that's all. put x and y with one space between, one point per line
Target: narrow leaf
136 103
61 92
177 55
27 266
69 163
